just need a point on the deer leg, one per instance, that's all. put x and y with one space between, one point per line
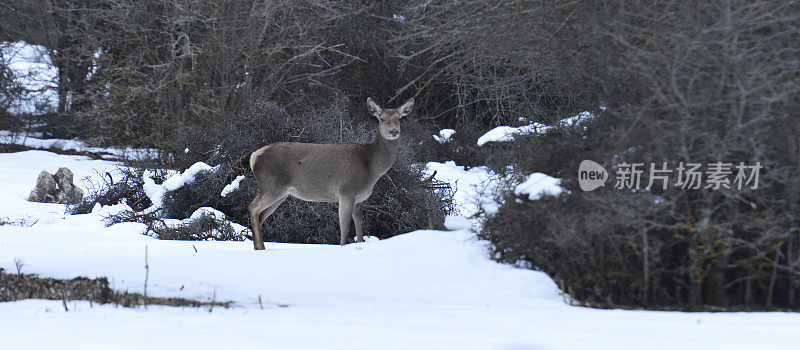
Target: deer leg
358 219
271 209
265 214
257 207
345 215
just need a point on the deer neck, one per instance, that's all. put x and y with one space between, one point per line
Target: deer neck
382 154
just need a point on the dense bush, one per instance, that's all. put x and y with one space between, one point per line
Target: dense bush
676 247
610 248
165 65
9 121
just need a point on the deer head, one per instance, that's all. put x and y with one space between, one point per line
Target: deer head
389 119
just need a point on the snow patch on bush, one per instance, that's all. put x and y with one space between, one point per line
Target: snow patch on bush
156 192
476 191
506 133
578 118
218 215
233 186
444 135
538 184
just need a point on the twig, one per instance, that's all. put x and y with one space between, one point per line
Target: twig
146 275
19 264
213 301
64 302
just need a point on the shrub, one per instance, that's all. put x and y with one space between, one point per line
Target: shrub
21 286
201 227
9 121
205 192
128 190
672 102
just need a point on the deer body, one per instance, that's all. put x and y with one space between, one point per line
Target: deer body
336 173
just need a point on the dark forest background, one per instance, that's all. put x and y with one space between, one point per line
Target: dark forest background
679 81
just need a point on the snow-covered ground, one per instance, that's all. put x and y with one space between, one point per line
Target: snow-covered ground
31 140
475 188
421 290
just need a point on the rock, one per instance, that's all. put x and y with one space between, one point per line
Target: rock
71 196
68 193
64 177
45 190
58 188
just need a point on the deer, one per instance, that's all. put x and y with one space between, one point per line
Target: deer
343 173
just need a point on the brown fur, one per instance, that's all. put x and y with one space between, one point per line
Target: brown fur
337 173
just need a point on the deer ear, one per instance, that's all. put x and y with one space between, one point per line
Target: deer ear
373 107
405 109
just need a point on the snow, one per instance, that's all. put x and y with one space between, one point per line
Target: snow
476 191
34 71
457 222
506 133
25 139
18 176
178 180
207 211
421 290
386 327
233 186
156 192
538 184
475 188
444 136
578 118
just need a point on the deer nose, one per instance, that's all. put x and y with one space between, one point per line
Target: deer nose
394 132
